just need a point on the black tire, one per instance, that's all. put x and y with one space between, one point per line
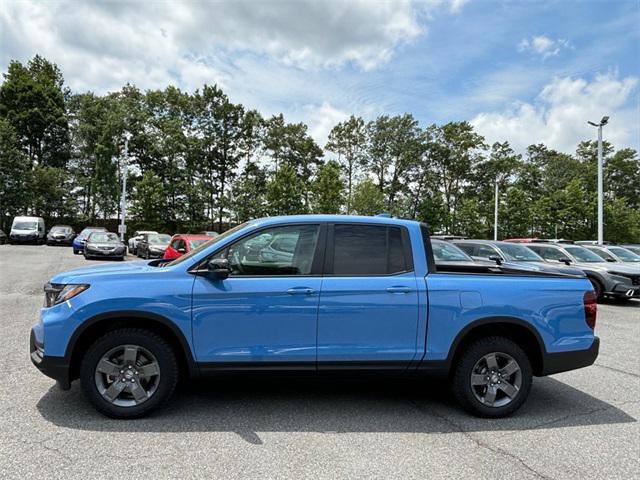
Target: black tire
597 288
153 343
464 369
76 252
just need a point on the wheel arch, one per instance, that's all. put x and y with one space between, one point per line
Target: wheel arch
521 332
98 325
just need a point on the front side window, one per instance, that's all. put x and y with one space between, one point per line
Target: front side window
287 250
519 253
583 255
625 255
485 251
548 253
367 250
603 254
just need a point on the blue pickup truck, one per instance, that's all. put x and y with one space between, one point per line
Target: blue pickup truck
317 294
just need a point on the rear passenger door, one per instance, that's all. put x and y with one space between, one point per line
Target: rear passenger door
368 313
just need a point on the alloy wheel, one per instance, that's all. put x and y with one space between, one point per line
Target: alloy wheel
496 379
127 375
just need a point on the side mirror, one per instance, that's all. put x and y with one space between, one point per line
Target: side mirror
564 260
612 260
496 259
219 268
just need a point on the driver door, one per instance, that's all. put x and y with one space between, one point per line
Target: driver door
265 314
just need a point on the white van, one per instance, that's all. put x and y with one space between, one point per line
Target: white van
27 229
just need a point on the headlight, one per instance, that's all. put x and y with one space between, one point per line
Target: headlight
55 293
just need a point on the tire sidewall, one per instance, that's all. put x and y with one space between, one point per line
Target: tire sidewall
462 381
150 341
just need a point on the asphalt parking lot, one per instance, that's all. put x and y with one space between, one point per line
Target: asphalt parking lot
580 424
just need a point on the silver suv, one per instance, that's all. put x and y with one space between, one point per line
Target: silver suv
608 279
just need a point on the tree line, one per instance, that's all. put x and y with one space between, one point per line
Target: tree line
199 161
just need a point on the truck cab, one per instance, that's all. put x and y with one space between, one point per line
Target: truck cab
343 295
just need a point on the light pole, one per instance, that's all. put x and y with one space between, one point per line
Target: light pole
495 215
602 123
123 198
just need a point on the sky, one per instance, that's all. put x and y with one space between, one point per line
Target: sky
524 71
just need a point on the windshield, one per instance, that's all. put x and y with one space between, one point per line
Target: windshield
197 243
583 255
161 239
519 253
88 231
446 252
25 225
106 237
60 229
207 244
635 250
624 254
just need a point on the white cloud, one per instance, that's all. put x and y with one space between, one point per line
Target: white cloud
558 117
321 119
543 45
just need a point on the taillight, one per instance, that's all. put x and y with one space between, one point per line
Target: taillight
590 302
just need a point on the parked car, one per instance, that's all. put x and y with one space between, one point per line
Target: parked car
27 230
78 243
181 244
152 245
635 248
513 253
60 235
104 245
616 254
137 236
3 238
357 294
608 279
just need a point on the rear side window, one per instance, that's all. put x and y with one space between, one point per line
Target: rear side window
368 250
465 247
548 253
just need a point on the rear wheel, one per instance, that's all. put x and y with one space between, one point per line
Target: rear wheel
492 377
128 373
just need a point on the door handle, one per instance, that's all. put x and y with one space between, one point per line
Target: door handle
301 291
398 289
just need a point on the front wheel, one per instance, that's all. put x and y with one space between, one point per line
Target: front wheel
128 373
492 378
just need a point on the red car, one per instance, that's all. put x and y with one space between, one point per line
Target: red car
181 244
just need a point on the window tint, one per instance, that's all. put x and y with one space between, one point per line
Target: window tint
367 250
256 255
465 247
549 253
485 251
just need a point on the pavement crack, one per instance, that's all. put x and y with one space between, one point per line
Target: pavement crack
616 370
481 444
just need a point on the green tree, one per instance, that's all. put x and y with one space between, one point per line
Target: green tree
14 173
49 192
32 100
249 193
348 140
367 198
328 189
285 193
148 201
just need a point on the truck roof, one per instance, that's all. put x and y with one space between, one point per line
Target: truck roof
334 218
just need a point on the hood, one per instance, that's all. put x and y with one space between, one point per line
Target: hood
86 274
609 267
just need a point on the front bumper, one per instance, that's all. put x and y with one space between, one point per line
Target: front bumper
624 290
53 367
104 253
58 241
572 360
